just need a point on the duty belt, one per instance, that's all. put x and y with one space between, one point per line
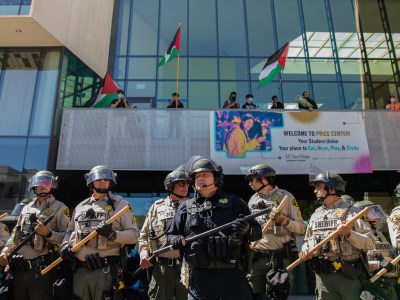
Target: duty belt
18 263
171 262
97 262
264 253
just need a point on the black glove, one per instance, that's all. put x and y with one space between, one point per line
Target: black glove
66 253
241 226
104 229
388 265
176 242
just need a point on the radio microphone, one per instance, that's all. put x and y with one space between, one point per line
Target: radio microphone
206 185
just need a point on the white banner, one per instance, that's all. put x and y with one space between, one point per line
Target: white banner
290 141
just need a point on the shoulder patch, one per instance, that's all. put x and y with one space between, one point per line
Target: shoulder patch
294 202
396 221
133 220
108 208
66 212
5 228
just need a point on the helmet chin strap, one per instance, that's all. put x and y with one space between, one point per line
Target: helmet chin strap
43 195
101 190
263 186
322 199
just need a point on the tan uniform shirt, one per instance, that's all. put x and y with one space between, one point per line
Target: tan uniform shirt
4 234
383 252
88 214
27 222
157 222
278 234
325 220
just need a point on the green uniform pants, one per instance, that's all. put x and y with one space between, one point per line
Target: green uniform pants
336 285
91 285
257 277
28 285
165 283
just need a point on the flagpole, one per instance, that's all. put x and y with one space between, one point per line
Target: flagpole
177 75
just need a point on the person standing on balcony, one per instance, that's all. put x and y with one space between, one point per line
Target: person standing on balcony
231 102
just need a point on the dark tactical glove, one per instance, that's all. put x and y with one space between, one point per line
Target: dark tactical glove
176 242
388 265
66 253
105 229
241 226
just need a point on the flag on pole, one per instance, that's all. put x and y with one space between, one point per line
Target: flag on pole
173 49
107 93
274 65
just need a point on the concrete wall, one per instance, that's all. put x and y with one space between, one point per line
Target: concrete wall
84 27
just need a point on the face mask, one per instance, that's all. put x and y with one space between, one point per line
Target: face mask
250 99
121 96
233 98
392 100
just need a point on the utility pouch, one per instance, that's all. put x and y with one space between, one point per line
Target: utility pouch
196 256
325 265
218 246
351 270
234 248
211 247
194 220
315 265
97 261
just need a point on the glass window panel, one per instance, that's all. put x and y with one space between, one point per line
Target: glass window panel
381 70
343 16
168 71
241 88
46 89
287 31
142 68
259 28
171 13
165 89
37 154
140 88
16 98
295 69
143 31
352 70
353 95
326 93
25 10
292 89
203 35
203 68
12 151
9 10
233 69
231 33
119 68
323 69
198 99
262 97
123 27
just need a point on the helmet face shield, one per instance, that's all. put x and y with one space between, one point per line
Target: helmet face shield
99 174
376 214
42 180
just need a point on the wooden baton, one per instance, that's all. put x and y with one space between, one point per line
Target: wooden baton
328 238
85 240
3 216
384 270
269 223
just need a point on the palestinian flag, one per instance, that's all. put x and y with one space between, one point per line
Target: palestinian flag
173 49
274 65
107 93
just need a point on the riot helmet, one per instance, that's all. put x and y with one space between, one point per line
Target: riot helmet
101 172
331 180
43 178
174 177
397 191
197 164
375 214
260 171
